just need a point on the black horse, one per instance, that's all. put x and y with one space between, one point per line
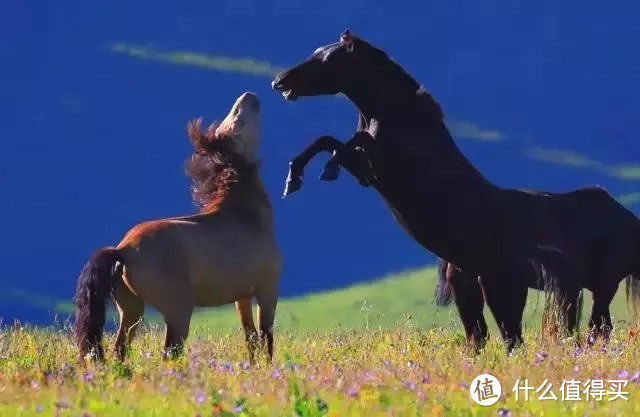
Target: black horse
403 149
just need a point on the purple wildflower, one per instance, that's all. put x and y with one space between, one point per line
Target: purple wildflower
39 408
425 379
540 356
61 404
576 368
623 374
503 412
276 373
200 398
34 384
352 391
194 362
87 377
244 365
227 366
635 377
410 386
239 408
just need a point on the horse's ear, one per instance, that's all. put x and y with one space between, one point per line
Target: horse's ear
196 136
347 38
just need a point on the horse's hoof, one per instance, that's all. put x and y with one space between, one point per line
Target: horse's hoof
292 185
330 172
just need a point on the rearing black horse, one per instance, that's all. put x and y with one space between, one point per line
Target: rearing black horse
404 150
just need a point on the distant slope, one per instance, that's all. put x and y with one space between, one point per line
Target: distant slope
395 300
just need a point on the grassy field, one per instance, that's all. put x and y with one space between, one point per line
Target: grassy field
378 349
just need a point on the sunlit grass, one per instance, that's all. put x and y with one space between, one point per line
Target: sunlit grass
403 371
372 349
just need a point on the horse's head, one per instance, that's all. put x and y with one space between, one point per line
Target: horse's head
223 153
241 126
328 70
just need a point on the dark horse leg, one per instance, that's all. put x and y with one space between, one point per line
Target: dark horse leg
600 322
506 296
359 145
564 282
354 162
469 300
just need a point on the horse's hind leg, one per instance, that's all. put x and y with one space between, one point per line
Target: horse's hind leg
243 306
568 299
176 332
267 301
470 303
131 309
600 322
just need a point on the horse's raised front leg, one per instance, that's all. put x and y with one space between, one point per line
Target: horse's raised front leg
298 163
355 156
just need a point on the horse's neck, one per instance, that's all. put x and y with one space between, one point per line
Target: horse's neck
417 112
248 196
453 160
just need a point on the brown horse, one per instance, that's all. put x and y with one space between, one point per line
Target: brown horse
225 253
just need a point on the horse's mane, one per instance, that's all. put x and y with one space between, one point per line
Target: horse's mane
432 106
214 168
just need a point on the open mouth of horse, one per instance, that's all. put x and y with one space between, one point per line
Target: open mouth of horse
287 93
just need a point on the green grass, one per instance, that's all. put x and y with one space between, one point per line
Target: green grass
378 349
386 303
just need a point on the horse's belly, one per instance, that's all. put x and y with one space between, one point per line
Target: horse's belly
222 287
223 276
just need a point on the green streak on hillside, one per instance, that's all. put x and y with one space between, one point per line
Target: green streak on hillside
396 300
629 199
625 171
195 59
560 157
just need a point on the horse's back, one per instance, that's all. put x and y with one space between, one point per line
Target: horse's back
207 260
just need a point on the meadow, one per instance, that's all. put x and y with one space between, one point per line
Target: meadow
374 349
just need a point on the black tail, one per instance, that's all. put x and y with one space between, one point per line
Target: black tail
632 290
95 284
444 295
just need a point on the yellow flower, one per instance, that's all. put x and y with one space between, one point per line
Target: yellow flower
437 410
333 414
368 395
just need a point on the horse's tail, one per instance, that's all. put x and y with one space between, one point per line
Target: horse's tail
632 290
632 281
444 294
95 284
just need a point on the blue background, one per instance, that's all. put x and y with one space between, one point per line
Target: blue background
93 140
